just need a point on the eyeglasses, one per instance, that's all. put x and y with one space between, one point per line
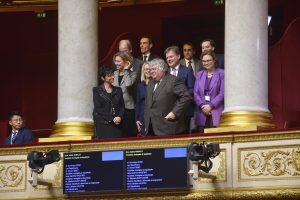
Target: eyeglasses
206 61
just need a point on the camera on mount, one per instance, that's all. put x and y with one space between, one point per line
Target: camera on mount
38 160
200 155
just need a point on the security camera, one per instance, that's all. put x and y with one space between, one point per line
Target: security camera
38 160
200 155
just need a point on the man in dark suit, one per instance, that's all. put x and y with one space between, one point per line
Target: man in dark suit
146 44
185 74
166 101
19 134
188 59
210 45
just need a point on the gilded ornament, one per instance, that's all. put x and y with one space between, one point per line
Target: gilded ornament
10 176
273 163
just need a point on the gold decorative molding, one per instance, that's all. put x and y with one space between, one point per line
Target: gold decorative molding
44 5
266 136
274 192
51 176
63 139
153 142
269 163
232 129
13 176
263 120
254 193
27 5
38 147
219 169
221 188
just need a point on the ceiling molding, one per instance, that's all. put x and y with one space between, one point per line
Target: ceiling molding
44 5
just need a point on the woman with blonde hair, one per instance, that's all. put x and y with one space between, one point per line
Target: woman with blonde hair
140 99
125 79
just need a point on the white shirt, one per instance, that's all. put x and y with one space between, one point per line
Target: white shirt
147 58
192 63
174 71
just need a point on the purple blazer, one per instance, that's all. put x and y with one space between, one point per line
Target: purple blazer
216 92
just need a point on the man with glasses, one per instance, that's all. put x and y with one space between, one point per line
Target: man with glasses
166 101
209 92
19 134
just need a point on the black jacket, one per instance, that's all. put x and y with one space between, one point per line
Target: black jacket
106 108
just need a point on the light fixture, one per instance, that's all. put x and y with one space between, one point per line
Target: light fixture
218 2
40 14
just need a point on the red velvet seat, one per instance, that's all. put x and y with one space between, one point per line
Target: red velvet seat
4 129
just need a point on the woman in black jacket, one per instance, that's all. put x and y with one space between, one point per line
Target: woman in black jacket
108 106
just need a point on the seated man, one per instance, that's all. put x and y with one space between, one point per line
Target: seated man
19 134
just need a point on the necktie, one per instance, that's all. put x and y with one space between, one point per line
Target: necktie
156 85
145 58
13 137
190 64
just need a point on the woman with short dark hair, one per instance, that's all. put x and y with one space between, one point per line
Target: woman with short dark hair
108 106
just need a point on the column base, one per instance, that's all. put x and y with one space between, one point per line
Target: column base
243 121
65 131
233 129
62 139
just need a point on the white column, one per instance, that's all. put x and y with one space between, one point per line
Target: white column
77 65
246 63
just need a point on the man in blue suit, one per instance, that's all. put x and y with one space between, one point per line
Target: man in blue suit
186 75
19 134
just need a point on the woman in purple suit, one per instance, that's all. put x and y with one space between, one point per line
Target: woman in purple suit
209 92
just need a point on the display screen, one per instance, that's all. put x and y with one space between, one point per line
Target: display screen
134 169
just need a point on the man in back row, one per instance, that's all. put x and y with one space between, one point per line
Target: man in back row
189 59
146 44
210 45
126 46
